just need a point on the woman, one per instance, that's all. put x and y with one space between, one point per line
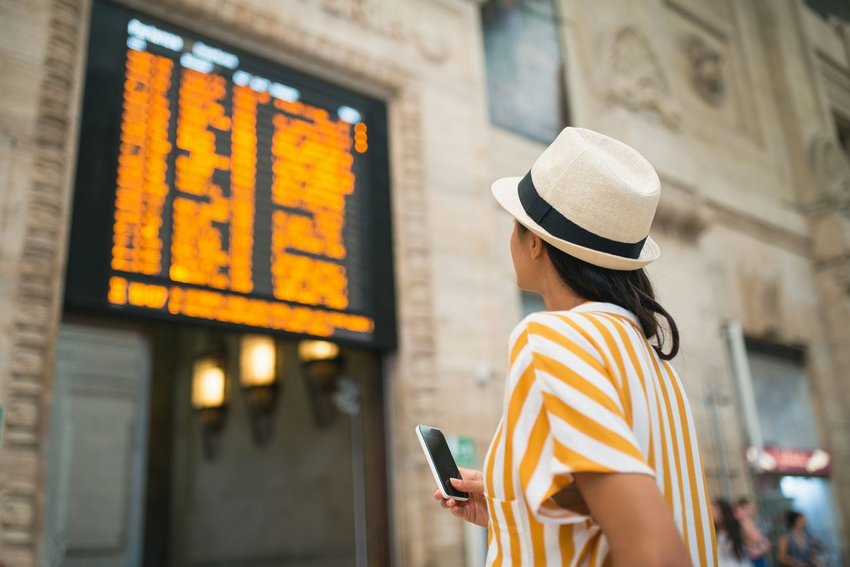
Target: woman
758 546
731 548
595 459
797 546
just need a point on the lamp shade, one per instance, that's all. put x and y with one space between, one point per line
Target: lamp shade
312 351
208 382
258 361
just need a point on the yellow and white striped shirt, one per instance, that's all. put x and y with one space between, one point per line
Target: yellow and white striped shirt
586 392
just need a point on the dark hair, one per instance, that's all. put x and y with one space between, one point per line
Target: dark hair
629 289
791 518
732 527
743 501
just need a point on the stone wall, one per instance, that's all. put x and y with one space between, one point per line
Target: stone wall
41 50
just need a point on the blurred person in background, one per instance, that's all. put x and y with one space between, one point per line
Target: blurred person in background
731 548
797 547
758 546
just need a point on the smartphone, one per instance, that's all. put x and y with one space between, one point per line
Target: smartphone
441 461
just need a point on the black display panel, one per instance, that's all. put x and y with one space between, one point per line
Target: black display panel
214 186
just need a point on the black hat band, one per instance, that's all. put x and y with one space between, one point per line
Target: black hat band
561 227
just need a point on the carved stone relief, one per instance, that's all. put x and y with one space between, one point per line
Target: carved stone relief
706 69
713 72
17 511
830 232
396 20
711 15
841 277
433 45
635 78
382 18
832 168
830 229
683 217
763 301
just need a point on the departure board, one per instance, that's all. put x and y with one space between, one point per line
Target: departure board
215 186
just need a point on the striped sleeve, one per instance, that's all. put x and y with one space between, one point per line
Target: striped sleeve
576 399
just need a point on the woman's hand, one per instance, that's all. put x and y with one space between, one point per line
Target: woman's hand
473 510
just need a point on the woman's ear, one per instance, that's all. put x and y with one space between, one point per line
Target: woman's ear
536 247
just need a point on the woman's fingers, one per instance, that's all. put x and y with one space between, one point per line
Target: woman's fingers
467 485
458 508
445 503
472 481
471 474
449 503
467 510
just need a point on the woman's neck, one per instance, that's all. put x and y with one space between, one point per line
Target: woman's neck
557 296
562 303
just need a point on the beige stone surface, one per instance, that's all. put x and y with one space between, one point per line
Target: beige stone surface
753 221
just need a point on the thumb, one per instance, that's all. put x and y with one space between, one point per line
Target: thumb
469 485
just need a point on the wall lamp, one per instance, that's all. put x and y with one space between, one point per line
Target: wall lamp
209 398
258 377
321 365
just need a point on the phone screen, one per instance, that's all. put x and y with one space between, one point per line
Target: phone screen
441 456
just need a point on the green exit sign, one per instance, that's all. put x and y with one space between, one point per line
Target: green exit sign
463 449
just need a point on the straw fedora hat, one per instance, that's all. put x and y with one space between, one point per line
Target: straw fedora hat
590 196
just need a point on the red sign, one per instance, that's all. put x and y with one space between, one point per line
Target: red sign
787 461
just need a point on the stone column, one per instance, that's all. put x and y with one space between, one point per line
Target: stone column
33 271
829 224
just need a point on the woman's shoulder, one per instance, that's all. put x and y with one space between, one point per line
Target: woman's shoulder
563 328
542 322
573 323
